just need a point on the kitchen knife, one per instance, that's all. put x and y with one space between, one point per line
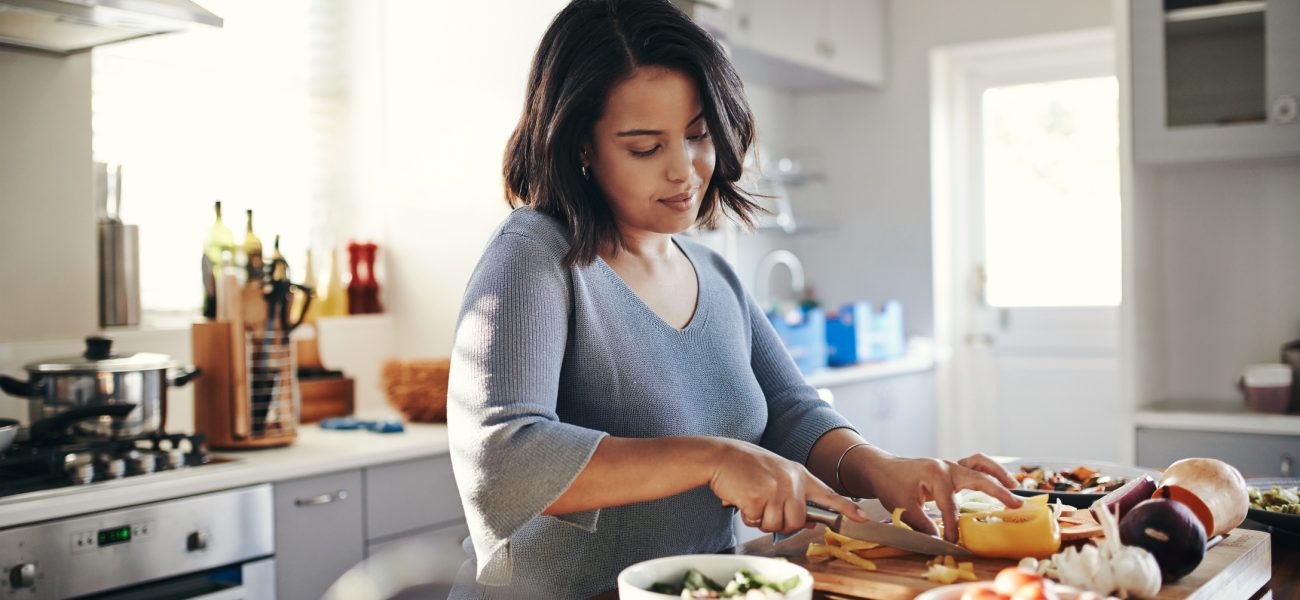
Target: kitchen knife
887 534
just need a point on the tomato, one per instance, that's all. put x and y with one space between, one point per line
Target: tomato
980 592
1011 579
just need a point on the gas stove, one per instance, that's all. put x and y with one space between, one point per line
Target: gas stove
75 463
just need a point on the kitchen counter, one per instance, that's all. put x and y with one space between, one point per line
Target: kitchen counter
316 452
920 356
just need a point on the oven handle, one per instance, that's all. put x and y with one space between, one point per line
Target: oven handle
322 499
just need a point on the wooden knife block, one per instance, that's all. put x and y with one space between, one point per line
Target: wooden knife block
225 409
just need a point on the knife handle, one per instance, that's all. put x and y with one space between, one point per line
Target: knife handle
816 514
829 518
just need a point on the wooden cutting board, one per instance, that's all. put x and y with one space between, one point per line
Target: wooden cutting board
1235 568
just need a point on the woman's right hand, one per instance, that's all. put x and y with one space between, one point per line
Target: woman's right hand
771 492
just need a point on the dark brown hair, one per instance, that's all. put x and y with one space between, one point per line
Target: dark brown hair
591 46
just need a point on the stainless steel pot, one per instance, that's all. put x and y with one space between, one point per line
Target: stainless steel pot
100 377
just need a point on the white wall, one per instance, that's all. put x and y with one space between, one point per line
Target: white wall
438 193
876 148
47 215
447 82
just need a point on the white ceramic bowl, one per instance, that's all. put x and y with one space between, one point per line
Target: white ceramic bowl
635 581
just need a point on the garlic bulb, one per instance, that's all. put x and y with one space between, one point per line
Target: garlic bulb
1110 566
1136 572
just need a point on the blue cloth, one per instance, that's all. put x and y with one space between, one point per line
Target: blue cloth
549 360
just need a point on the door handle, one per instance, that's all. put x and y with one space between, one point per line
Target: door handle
322 499
980 340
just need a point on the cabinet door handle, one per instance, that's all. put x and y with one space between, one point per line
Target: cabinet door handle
1285 466
325 498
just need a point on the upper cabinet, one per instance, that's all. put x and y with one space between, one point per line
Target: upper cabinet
1215 80
808 45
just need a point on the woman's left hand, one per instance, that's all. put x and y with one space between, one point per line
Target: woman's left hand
909 483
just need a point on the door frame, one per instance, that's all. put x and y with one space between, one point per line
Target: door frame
958 74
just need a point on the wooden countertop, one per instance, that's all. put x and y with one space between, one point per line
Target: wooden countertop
1284 548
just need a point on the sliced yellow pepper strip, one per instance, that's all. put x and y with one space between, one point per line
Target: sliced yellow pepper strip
852 558
851 544
898 519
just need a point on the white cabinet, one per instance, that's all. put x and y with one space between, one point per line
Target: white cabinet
1255 455
894 413
409 496
328 524
817 44
319 533
1215 81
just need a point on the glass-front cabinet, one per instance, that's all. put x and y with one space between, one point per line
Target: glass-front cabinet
1215 80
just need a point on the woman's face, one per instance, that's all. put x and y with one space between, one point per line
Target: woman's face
651 153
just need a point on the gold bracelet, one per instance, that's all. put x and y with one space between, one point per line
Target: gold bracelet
841 461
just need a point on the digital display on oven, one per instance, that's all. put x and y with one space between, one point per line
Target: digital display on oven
115 535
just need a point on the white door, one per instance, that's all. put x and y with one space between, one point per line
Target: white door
1027 144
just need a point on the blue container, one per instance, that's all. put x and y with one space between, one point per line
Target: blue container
887 341
848 335
803 331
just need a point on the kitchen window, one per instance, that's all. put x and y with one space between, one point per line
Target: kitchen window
251 114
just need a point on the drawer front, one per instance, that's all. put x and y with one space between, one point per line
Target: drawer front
318 533
1255 455
410 495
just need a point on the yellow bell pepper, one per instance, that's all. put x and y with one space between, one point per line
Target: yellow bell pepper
1030 530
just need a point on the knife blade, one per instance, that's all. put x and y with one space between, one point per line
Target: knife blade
872 530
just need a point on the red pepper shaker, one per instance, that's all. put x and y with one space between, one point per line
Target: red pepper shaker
370 250
357 284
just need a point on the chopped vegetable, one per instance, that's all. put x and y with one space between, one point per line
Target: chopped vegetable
1078 480
1107 567
1031 530
1276 499
745 584
851 544
898 519
945 569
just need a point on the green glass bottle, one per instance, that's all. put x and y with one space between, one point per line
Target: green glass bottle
220 244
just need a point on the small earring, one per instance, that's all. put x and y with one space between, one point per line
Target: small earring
586 173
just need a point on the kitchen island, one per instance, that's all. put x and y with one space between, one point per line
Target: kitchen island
1281 552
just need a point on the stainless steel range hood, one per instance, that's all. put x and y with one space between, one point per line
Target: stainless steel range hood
68 26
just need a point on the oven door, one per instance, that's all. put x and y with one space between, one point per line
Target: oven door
248 581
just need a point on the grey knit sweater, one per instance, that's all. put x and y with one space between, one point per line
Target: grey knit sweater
549 360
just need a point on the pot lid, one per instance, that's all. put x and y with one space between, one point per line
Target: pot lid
99 358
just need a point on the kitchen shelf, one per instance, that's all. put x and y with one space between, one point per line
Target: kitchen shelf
1215 11
1214 416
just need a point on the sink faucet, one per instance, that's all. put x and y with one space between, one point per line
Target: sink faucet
764 275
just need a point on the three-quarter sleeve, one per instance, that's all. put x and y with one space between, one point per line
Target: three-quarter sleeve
797 416
511 455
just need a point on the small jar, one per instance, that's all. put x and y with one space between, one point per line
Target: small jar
1267 387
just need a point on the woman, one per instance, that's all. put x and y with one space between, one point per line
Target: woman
615 393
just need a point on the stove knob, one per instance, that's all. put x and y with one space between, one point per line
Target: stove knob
198 540
143 464
23 576
115 469
83 473
175 459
